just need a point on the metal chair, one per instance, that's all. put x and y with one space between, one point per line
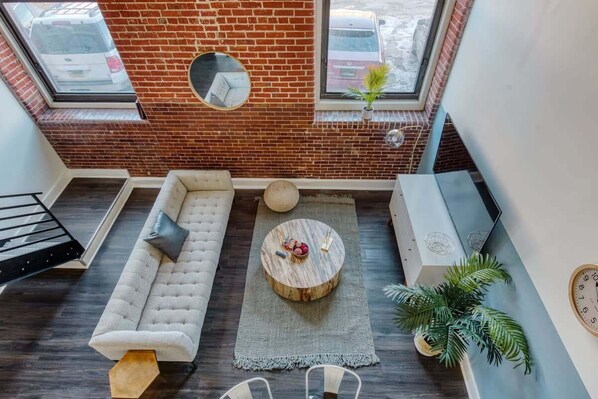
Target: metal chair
243 391
333 376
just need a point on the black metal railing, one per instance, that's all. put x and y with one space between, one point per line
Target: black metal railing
45 243
62 231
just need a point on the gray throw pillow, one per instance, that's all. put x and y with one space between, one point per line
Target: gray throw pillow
167 236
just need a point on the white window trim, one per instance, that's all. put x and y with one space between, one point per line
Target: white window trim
382 105
41 87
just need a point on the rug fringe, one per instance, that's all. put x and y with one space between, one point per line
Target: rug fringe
291 362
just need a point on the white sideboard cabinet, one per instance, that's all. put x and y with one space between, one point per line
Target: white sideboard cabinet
417 209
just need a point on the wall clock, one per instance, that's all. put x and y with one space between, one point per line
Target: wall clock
583 295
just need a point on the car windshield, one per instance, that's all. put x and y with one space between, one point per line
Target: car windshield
362 40
69 39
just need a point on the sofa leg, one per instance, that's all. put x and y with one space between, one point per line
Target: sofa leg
194 365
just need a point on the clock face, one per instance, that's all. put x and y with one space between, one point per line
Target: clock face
584 296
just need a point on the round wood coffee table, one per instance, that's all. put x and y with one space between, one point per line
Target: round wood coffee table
305 279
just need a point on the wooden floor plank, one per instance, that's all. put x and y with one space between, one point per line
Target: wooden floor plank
83 204
47 320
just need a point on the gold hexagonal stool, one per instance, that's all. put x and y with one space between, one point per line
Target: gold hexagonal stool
133 374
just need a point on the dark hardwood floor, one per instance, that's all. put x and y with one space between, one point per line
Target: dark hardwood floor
47 320
82 205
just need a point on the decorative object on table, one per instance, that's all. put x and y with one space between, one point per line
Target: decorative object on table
167 236
133 374
320 274
440 243
583 289
227 85
395 138
289 243
450 315
374 83
477 238
281 196
327 241
301 250
334 329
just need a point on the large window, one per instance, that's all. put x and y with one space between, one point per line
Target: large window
358 34
71 50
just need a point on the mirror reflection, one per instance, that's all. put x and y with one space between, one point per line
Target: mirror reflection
219 80
468 199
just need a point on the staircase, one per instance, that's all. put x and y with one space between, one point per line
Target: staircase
32 239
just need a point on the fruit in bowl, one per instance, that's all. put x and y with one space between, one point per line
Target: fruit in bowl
301 250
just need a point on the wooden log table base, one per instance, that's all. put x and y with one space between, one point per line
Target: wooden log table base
304 279
133 374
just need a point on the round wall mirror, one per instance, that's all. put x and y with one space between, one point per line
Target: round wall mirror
219 80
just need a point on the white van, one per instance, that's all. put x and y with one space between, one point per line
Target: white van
74 43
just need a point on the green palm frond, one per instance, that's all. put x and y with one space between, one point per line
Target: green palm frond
453 345
451 315
416 306
459 300
473 331
477 272
377 78
506 334
374 82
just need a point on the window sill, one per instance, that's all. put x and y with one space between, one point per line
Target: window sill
330 118
89 115
382 105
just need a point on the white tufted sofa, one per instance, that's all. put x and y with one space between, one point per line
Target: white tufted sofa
158 304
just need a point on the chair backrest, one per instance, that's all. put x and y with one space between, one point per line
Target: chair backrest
243 391
333 376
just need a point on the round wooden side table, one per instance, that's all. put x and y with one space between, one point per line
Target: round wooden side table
305 279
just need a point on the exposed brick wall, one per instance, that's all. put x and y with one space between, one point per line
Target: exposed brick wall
273 134
452 153
447 55
15 76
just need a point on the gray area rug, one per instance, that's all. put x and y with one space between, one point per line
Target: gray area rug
275 333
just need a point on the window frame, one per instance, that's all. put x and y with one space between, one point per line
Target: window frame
44 84
414 101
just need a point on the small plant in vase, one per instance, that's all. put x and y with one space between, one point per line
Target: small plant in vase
445 318
374 84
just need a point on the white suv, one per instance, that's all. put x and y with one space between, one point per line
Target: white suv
74 43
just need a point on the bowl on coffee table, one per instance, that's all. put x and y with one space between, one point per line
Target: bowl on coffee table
301 250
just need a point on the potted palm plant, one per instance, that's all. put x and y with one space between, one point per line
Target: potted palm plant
374 84
445 318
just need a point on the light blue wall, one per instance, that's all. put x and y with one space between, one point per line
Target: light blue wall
429 156
553 375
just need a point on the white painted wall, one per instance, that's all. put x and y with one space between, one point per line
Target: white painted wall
523 93
28 163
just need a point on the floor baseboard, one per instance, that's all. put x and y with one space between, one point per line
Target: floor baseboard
248 183
105 173
49 197
470 384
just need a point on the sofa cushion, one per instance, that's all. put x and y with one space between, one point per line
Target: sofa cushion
159 304
179 296
126 304
167 236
